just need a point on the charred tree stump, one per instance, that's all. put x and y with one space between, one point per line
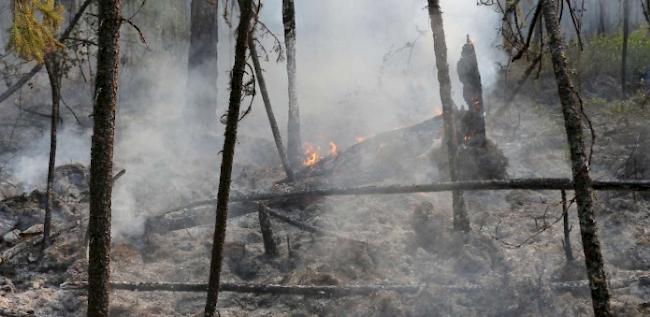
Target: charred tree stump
568 252
473 122
571 105
270 245
461 220
230 140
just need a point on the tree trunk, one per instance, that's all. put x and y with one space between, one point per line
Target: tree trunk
473 123
626 36
52 65
294 141
201 94
230 139
101 157
601 17
571 107
461 222
269 110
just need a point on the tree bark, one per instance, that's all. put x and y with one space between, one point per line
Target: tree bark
473 123
269 110
571 108
461 221
230 139
201 94
270 245
568 252
626 36
101 157
294 140
52 64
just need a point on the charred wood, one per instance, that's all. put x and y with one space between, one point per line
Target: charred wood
270 245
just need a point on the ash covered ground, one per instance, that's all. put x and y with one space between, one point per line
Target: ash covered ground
511 264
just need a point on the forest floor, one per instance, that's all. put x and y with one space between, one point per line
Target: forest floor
507 266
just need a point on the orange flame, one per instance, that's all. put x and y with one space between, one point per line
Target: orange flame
312 155
359 139
333 151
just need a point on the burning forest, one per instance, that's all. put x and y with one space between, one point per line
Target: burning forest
324 158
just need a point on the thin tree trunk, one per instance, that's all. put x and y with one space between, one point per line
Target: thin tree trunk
568 252
201 95
626 36
52 65
101 157
230 139
294 141
601 17
269 109
571 108
461 221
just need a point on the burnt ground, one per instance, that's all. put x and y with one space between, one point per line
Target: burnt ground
507 266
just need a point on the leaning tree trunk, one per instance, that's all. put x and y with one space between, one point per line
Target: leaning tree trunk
294 142
53 66
571 108
201 95
101 157
230 139
269 109
461 221
626 36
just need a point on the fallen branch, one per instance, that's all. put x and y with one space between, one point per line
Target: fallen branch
180 219
306 227
512 184
335 290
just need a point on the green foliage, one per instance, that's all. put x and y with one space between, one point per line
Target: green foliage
35 23
602 54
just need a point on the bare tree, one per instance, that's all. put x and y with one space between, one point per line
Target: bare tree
53 66
572 110
201 107
626 36
461 221
230 139
101 157
269 109
294 140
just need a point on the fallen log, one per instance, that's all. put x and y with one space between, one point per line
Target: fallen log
184 217
336 290
511 184
30 243
275 289
306 227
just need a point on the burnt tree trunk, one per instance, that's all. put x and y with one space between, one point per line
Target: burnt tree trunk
230 139
269 109
52 64
568 252
294 141
626 36
601 17
101 157
461 221
201 95
571 105
474 120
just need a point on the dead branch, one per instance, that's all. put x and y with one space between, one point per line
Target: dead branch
30 243
512 184
306 227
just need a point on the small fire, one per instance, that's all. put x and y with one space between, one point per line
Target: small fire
437 112
312 155
359 139
333 151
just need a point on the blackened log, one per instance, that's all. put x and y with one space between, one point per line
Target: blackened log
571 109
